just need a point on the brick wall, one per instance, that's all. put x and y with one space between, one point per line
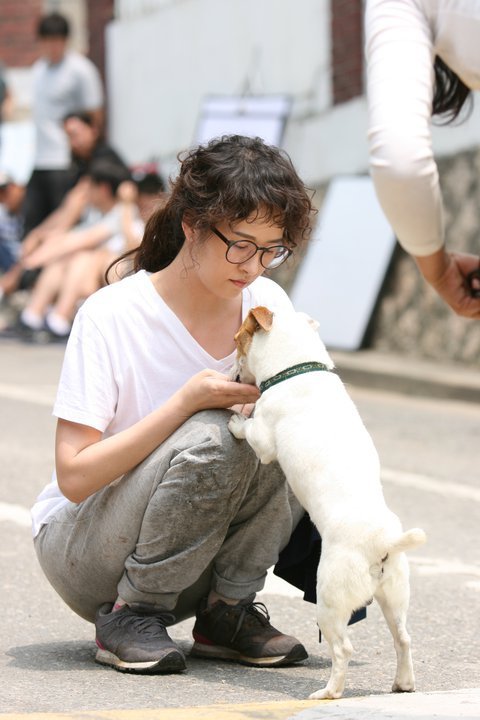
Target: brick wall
18 24
99 13
347 49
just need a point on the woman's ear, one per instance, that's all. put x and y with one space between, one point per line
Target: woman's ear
188 231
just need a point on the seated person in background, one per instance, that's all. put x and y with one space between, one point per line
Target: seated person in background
142 196
73 262
86 147
11 221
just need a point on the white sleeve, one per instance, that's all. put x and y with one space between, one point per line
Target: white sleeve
91 91
87 392
400 81
268 293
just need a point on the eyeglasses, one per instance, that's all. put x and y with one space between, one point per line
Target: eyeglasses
239 251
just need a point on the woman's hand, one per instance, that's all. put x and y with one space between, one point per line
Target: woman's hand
210 389
447 274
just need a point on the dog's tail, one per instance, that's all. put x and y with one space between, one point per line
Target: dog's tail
408 541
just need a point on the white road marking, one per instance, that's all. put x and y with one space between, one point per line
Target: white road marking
20 515
441 566
33 395
15 513
276 586
429 484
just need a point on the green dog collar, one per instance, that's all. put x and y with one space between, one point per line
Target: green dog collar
299 369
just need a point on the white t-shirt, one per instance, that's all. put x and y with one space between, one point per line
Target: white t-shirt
402 38
72 85
126 355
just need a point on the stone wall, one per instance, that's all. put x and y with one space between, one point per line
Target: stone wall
410 319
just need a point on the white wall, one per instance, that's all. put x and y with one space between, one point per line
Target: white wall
164 56
162 63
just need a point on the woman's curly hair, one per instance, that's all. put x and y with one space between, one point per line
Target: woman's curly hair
230 179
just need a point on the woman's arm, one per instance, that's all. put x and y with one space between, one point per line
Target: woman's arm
85 463
400 81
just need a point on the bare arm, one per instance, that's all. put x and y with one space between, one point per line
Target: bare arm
85 463
61 219
128 195
60 245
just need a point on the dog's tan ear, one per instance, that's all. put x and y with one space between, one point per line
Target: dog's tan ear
263 316
259 317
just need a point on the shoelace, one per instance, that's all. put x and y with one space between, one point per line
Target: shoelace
146 624
249 611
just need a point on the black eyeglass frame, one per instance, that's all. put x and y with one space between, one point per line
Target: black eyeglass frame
258 248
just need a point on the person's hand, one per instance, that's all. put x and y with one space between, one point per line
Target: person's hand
127 192
447 274
210 389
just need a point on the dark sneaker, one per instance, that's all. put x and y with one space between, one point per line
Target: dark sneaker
136 640
243 633
18 330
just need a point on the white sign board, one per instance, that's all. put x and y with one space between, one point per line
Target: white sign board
250 115
17 147
341 275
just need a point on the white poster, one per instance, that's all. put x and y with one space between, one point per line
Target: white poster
341 275
261 116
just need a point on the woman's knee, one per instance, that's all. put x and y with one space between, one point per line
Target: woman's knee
210 434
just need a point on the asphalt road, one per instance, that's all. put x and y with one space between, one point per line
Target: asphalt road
429 451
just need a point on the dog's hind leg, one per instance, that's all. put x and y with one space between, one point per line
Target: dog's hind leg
334 630
393 595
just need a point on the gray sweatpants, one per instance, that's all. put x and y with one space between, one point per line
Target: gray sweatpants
200 512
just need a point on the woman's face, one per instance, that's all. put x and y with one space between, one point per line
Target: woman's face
81 136
214 271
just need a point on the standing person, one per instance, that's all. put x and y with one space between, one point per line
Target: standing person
6 102
63 82
158 510
423 59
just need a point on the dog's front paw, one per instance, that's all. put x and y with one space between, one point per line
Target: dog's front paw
325 694
236 425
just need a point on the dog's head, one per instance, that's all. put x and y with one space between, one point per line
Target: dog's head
269 342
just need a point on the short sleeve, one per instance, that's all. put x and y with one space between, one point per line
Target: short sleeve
90 90
268 293
87 391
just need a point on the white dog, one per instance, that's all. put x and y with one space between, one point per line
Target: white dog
306 420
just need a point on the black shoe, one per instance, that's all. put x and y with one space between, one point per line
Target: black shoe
18 331
136 640
243 633
44 336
